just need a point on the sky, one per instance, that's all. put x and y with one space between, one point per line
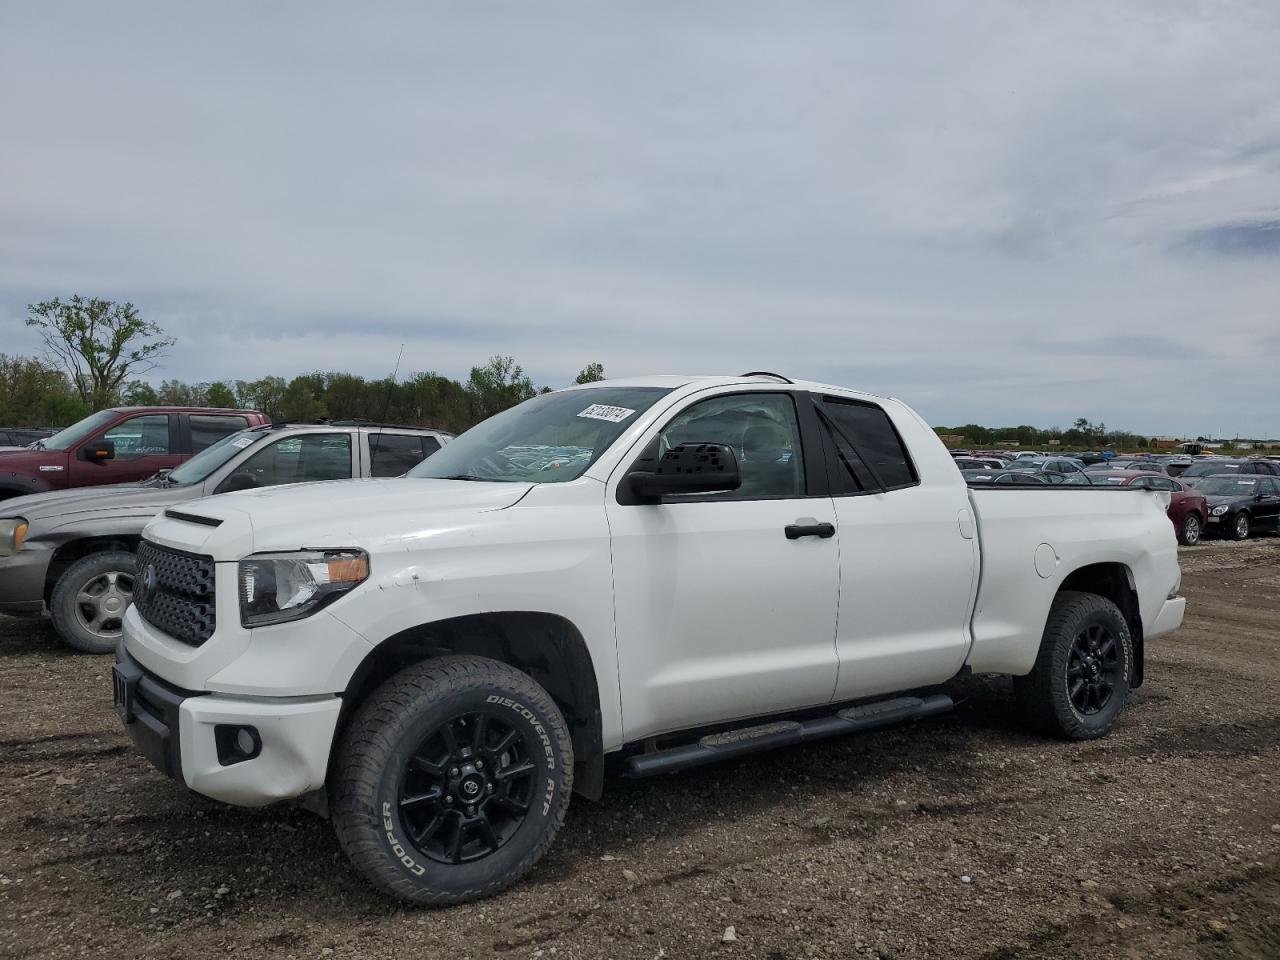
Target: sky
1000 212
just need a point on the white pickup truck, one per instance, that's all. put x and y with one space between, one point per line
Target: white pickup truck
670 571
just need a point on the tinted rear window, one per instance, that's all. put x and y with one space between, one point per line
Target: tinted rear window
879 453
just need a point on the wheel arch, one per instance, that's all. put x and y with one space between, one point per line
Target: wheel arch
75 550
1113 581
547 647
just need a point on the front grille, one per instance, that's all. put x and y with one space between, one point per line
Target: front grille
182 601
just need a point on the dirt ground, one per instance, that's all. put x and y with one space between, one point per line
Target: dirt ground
958 836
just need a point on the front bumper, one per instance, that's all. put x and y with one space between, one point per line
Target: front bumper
22 578
1169 618
177 730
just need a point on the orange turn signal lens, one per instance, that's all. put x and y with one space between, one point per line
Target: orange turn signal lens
19 535
348 569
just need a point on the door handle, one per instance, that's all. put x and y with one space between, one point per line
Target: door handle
809 528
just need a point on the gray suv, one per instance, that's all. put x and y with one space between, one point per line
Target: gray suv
72 551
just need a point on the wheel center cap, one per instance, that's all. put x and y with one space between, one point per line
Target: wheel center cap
112 605
470 788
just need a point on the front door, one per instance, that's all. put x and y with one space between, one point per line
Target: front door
720 615
144 445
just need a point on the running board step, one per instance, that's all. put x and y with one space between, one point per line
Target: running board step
768 736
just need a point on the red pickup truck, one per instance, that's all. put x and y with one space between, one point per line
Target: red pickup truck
118 446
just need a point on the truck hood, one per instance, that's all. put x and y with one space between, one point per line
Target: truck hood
58 507
371 514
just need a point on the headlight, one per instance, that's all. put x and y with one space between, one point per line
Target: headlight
13 530
278 587
1219 511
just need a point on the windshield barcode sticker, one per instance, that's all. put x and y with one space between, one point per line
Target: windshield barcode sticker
242 442
601 411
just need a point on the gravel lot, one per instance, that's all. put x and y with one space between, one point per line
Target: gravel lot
959 836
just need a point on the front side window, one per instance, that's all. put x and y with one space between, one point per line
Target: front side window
764 433
144 436
869 447
552 438
300 459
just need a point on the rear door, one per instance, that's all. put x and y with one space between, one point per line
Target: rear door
395 454
908 557
721 614
203 430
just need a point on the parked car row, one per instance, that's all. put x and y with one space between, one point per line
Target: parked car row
72 552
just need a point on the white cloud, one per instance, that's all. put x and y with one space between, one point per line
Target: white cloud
965 205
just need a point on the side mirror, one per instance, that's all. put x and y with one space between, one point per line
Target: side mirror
689 468
98 451
238 481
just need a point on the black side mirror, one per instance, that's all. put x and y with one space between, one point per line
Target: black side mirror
98 451
689 468
238 481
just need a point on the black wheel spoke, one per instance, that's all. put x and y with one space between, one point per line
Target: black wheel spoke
427 831
522 769
1106 648
513 804
482 729
431 796
453 852
429 767
450 741
504 744
486 832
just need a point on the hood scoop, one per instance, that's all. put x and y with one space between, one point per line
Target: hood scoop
193 518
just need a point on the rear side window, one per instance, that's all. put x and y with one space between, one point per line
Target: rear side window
208 429
869 448
394 454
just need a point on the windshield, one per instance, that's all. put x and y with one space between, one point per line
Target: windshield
211 458
1227 486
549 439
68 437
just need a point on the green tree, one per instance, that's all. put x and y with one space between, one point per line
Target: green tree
499 384
27 387
139 393
99 343
219 395
591 373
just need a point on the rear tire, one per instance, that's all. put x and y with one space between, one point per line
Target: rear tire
90 598
1082 673
452 780
1191 530
1240 526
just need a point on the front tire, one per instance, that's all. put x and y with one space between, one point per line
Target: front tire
90 598
1191 530
452 780
1082 673
1240 527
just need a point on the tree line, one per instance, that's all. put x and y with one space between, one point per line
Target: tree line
34 393
96 351
1081 434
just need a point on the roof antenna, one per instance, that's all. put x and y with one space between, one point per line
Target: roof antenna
386 407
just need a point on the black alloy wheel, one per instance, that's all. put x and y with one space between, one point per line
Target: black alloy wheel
467 788
1094 668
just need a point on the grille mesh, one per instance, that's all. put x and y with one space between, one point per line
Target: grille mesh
182 604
